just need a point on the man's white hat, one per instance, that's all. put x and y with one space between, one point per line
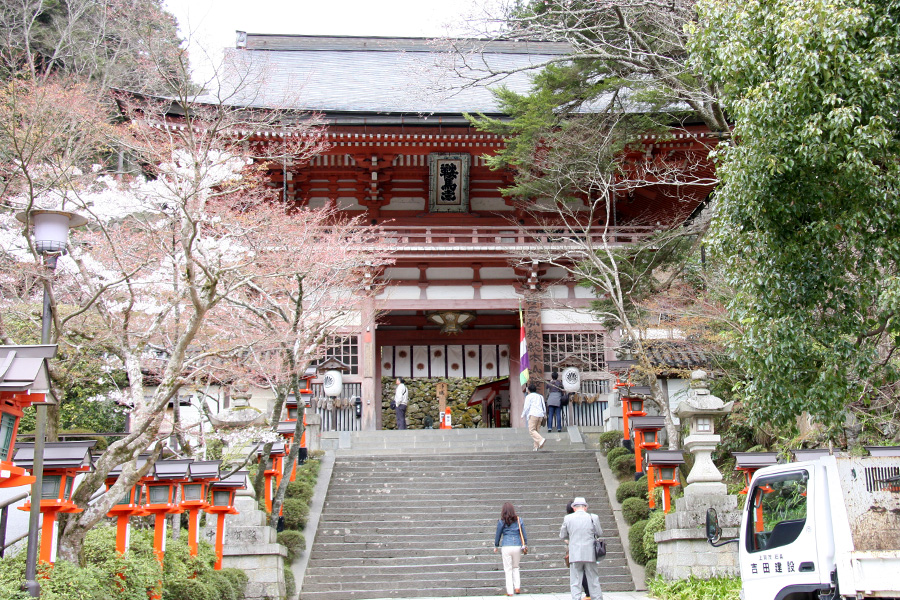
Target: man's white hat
579 501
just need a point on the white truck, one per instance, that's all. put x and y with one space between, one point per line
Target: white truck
825 529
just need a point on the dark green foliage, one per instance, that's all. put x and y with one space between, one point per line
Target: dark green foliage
609 440
631 489
655 524
290 583
634 510
636 542
623 466
807 218
650 569
295 543
184 577
295 513
617 452
237 578
309 470
692 588
302 489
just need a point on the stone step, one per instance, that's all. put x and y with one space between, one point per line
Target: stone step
405 517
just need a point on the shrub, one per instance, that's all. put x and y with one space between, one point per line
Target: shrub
650 569
188 589
609 440
634 510
302 489
238 579
296 512
719 588
290 584
309 470
636 541
623 466
222 587
294 542
655 524
617 452
631 489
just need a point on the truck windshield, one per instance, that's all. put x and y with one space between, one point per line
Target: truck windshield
777 511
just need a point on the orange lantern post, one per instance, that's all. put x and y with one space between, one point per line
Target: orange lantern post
24 380
223 504
646 437
63 462
159 498
128 506
286 430
277 455
665 463
750 462
193 496
632 406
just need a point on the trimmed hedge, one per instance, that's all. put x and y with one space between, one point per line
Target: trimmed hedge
302 489
650 569
609 440
636 542
617 452
296 512
623 466
634 510
295 543
655 523
290 583
631 489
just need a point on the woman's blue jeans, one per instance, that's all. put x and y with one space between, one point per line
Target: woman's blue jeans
554 412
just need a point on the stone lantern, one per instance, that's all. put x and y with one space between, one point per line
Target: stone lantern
682 547
700 409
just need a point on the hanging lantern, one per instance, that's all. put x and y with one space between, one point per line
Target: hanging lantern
333 384
571 379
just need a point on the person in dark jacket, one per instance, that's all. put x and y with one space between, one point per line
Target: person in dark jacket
555 394
511 539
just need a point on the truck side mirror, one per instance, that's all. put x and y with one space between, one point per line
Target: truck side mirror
713 531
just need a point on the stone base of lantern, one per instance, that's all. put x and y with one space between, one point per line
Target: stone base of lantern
683 549
250 545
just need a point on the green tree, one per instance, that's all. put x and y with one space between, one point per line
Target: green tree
808 199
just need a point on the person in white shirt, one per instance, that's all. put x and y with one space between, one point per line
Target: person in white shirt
534 411
401 399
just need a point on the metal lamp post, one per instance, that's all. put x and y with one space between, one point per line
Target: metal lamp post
51 237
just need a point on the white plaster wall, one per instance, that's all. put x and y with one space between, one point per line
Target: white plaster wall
400 274
400 292
462 273
450 292
496 292
497 273
566 317
677 390
581 292
404 204
492 204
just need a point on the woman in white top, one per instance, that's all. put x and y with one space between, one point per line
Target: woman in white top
401 399
534 412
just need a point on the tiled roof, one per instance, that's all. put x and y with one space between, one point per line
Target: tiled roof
676 355
369 75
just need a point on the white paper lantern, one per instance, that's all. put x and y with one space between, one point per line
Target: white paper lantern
571 379
334 383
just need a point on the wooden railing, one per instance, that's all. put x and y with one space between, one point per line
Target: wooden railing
500 236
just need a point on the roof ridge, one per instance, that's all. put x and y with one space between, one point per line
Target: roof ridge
350 43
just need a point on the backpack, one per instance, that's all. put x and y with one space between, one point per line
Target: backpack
565 399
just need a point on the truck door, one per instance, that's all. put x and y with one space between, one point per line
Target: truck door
780 546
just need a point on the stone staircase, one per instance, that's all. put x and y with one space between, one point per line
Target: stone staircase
413 513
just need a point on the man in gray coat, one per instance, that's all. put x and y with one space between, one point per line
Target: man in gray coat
579 530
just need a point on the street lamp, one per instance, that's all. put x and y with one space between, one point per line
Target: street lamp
50 230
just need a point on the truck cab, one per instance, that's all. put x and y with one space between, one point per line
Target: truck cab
822 529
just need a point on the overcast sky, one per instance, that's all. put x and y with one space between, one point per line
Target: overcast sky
211 24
